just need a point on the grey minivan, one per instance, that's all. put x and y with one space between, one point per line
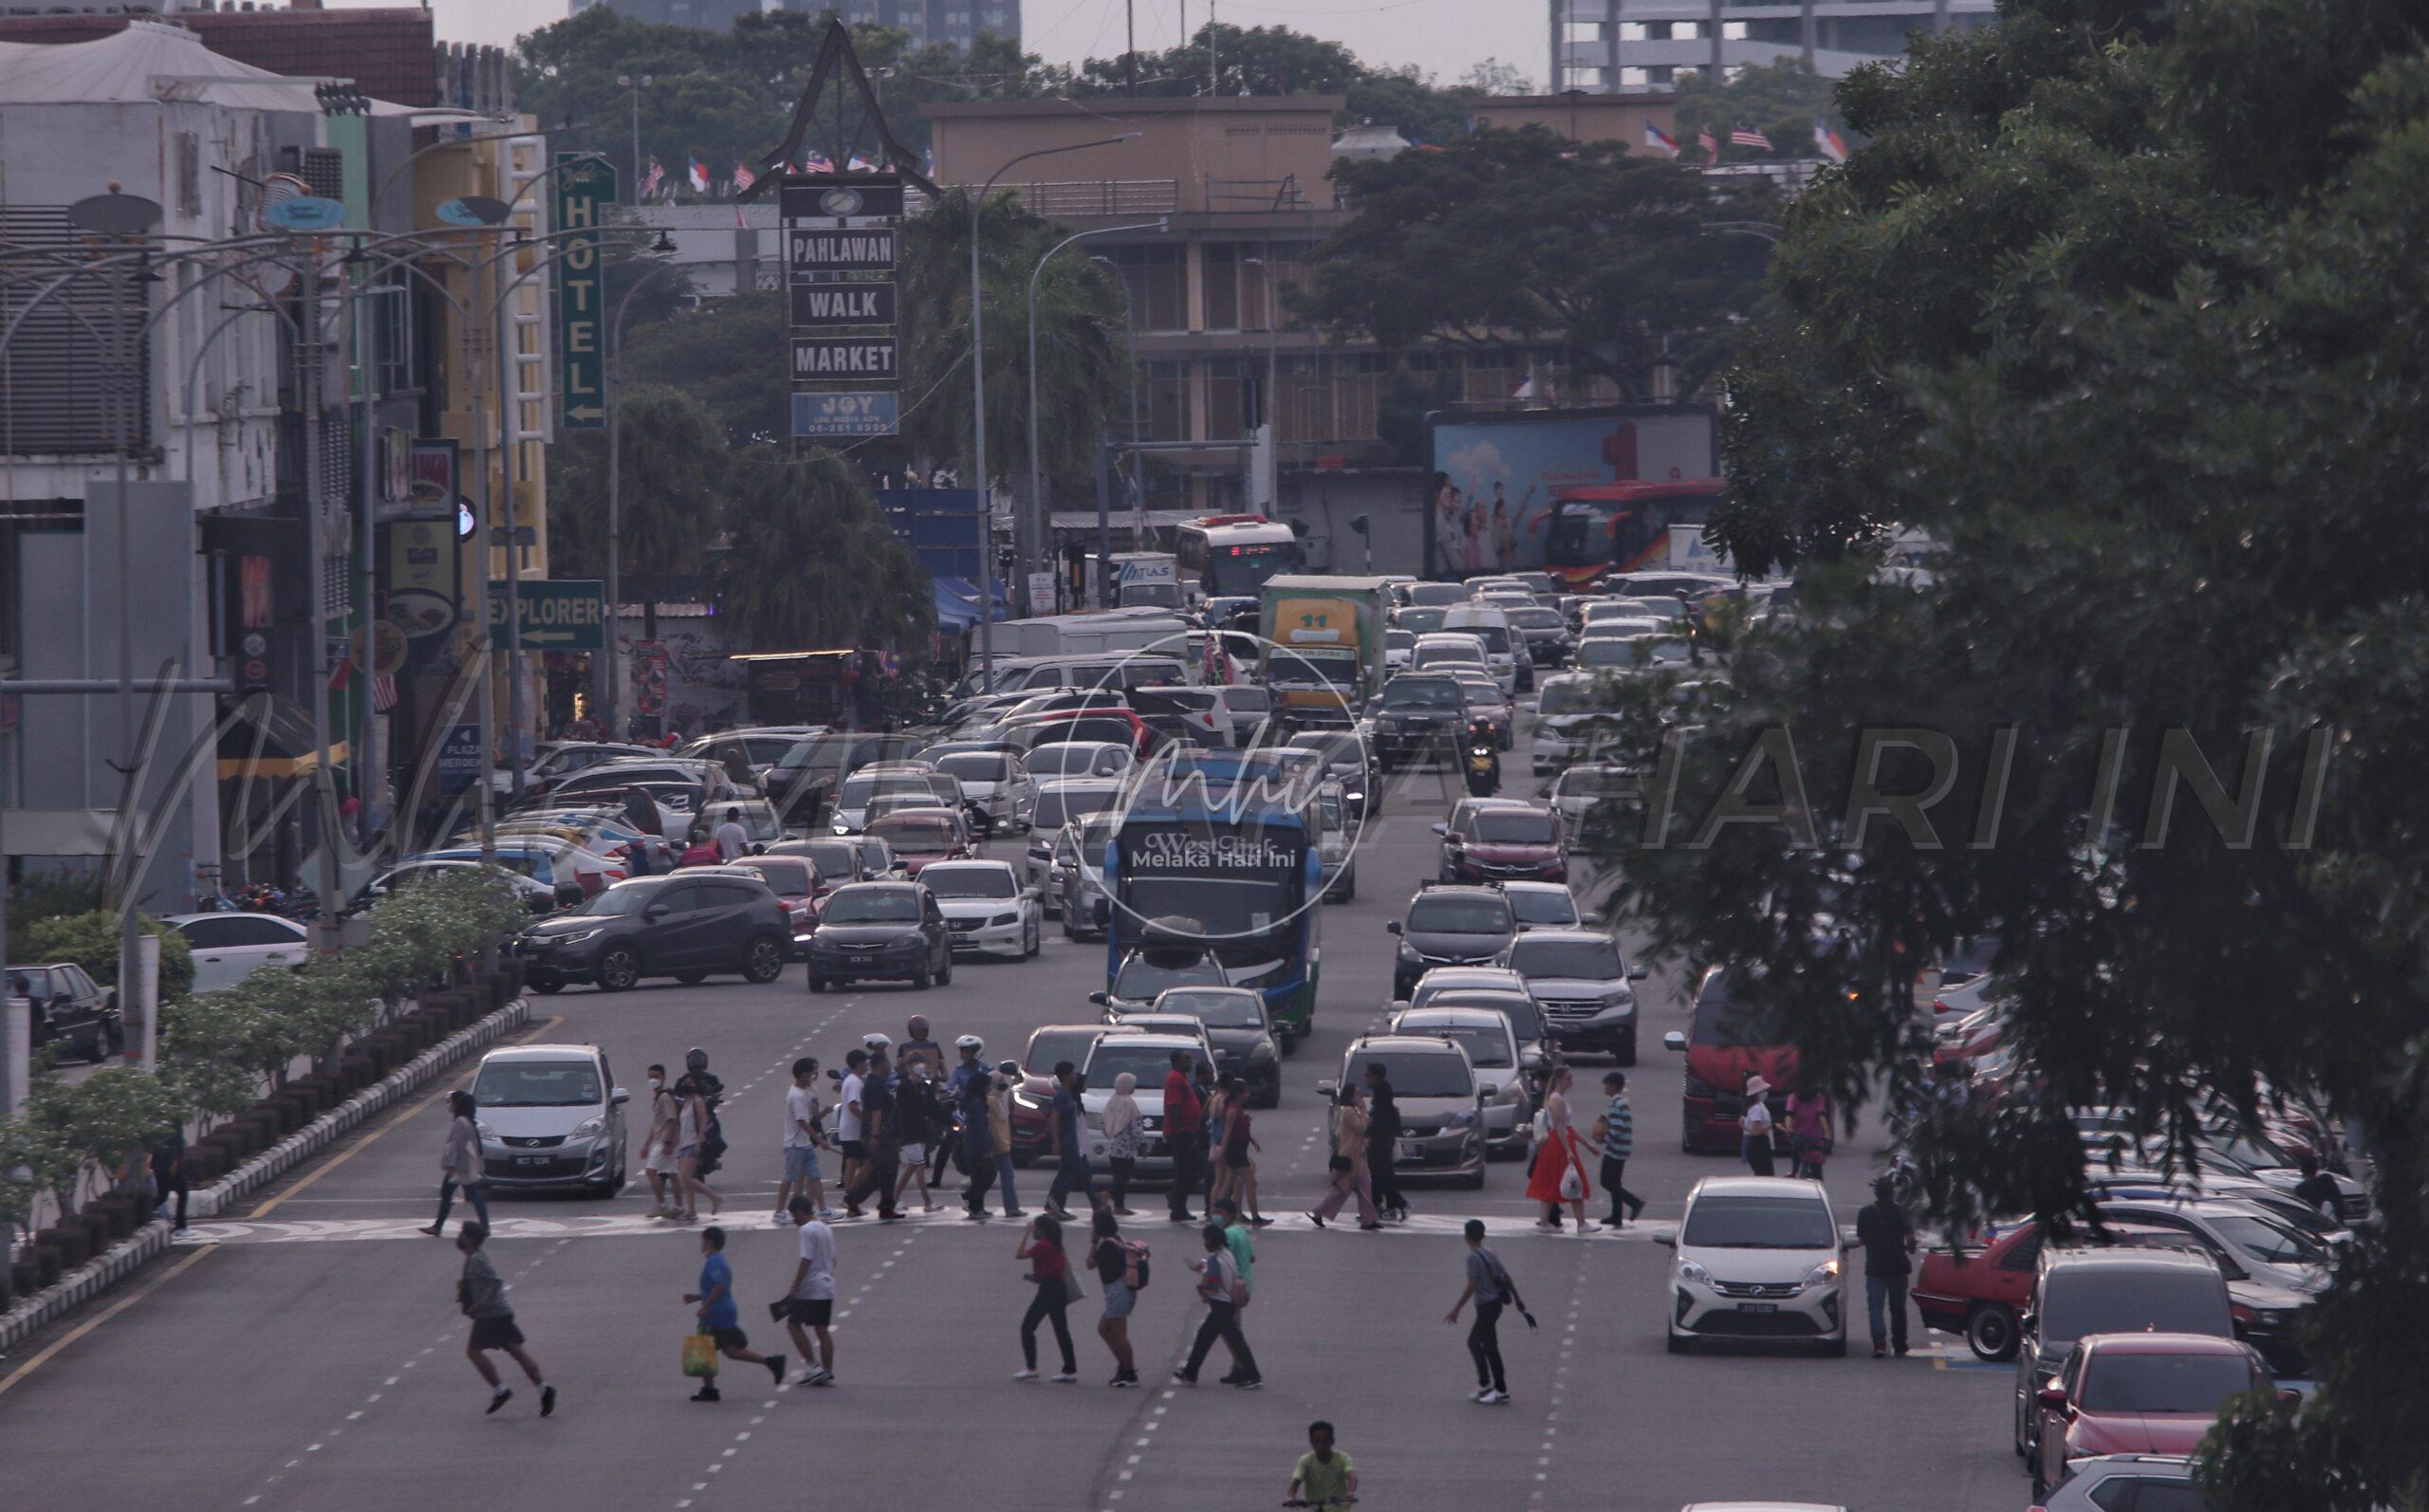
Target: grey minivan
2077 1293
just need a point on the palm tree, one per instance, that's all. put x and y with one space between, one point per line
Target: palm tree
812 565
668 500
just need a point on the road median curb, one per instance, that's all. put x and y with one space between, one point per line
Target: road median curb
132 1254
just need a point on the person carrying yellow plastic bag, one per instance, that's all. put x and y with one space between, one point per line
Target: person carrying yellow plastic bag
719 1322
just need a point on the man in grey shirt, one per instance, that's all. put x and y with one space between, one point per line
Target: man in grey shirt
1493 1288
480 1292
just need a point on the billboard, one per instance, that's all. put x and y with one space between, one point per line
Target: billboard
1492 475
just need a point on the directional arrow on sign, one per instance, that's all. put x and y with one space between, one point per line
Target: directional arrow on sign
587 412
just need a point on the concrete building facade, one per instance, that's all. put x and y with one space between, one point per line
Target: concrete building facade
1607 46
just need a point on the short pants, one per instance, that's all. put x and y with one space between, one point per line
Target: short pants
729 1338
1118 1298
801 1163
810 1312
914 1154
660 1161
855 1150
495 1332
686 1152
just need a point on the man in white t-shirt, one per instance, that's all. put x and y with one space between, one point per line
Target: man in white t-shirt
811 1302
802 1139
731 841
847 1116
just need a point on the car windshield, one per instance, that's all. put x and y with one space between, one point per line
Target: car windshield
1536 619
784 881
1450 653
1565 699
877 906
860 788
1596 960
1052 1046
1216 1010
1488 1048
835 859
1515 826
619 900
1439 914
1429 693
1436 593
1543 906
1757 1222
1057 807
975 765
1399 639
2122 1381
537 1084
1495 638
29 982
1415 1073
1150 1064
1419 621
1516 1006
1141 979
1064 759
970 881
2270 1243
2105 1300
916 830
1606 653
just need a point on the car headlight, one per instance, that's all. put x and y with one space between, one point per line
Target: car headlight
587 1128
2273 1316
1826 1273
1408 953
1466 1118
1000 920
488 1135
1262 1050
1690 1271
1024 1098
908 942
842 828
578 937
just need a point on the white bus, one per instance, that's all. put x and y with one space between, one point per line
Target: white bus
1230 555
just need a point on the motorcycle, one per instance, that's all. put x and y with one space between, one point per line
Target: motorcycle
1483 765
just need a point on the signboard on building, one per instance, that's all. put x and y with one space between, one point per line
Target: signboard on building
585 187
422 577
850 417
858 358
807 197
814 249
457 765
559 614
823 306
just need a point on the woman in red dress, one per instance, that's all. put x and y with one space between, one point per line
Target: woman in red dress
1559 1175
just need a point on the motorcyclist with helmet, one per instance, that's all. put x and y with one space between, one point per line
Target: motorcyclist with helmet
1480 759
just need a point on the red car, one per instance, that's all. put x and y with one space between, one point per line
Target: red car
1049 1045
1502 840
1985 1284
795 882
1726 1041
918 835
2137 1393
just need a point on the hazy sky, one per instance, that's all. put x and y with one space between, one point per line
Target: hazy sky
1439 36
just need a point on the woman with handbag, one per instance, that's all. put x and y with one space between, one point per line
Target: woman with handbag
1050 1271
1560 1165
459 1163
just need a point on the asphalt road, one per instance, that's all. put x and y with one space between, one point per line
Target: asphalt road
308 1355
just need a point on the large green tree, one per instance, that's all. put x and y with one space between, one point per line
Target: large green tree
1227 60
2122 305
670 492
1526 238
810 561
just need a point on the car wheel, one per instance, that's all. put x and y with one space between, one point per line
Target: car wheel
923 975
549 988
1031 941
1678 1342
1349 884
1625 1054
816 983
99 1050
944 968
618 969
690 979
764 962
1835 1349
1473 1181
1989 1332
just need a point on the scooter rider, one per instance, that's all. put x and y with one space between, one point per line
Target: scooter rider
1480 758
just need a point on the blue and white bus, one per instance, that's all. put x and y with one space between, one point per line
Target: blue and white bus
1223 840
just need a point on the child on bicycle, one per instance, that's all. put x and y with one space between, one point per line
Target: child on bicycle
1323 1477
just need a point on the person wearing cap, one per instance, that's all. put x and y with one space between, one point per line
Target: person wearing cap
1888 1244
917 1048
1755 1127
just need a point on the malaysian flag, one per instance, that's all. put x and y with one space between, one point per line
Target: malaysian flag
1710 143
1749 137
653 177
817 163
743 179
383 692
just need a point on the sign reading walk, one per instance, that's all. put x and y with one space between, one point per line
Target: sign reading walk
586 186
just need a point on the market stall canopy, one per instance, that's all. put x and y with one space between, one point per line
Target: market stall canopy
157 62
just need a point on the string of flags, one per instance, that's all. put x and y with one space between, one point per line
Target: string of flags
699 179
1828 143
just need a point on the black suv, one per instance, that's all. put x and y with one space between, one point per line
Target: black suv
2077 1293
684 926
1419 714
69 1008
889 930
1449 926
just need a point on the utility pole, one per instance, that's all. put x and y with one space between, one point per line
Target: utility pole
316 542
1130 44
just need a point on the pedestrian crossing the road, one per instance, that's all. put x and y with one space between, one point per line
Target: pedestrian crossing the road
506 1228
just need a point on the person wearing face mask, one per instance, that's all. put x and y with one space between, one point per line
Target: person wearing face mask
657 1146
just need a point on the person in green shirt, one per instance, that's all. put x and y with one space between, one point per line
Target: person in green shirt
1324 1476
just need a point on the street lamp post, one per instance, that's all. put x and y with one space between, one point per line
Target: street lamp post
1129 324
978 404
636 83
1042 527
1267 406
615 488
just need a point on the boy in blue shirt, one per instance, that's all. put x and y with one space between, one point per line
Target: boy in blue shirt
719 1318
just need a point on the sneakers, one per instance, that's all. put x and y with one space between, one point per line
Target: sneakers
1636 1209
1316 1219
1064 1378
548 1400
824 1377
828 1213
1368 1229
435 1230
1479 1394
977 1216
1493 1398
1878 1353
1585 1228
776 1369
1024 1375
1122 1380
707 1393
1184 1377
500 1397
1245 1383
813 1375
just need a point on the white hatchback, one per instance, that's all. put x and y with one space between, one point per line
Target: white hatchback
1759 1259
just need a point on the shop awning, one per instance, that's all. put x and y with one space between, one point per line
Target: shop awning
965 594
954 613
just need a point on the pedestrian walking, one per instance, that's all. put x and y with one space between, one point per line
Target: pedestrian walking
1888 1244
1383 1141
720 1320
1560 1164
1122 1270
480 1293
1001 1090
459 1164
1124 1135
1241 1245
1239 1151
1755 1128
691 1140
882 1138
916 1113
805 1131
979 1146
1615 1141
1223 1293
1809 1135
1219 1137
810 1301
1071 1157
1201 1081
1348 1165
1491 1287
1054 1289
169 1174
1324 1476
849 1120
1185 1135
731 841
657 1148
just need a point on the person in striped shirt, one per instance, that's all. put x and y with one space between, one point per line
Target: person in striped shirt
1615 1141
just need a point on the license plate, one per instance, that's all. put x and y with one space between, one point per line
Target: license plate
1758 1307
1411 1149
530 1160
861 960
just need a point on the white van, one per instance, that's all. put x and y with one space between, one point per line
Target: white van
1503 652
1044 673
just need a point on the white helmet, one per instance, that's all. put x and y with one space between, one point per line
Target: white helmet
970 1043
875 1043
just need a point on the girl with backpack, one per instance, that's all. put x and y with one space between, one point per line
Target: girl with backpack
1050 1272
1122 1269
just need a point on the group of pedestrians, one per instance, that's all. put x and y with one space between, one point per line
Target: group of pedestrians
684 1142
1365 1137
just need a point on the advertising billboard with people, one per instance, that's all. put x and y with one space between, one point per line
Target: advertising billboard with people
1494 475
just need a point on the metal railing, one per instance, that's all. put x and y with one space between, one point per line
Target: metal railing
1101 197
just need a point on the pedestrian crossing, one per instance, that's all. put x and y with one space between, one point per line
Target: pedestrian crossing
508 1226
